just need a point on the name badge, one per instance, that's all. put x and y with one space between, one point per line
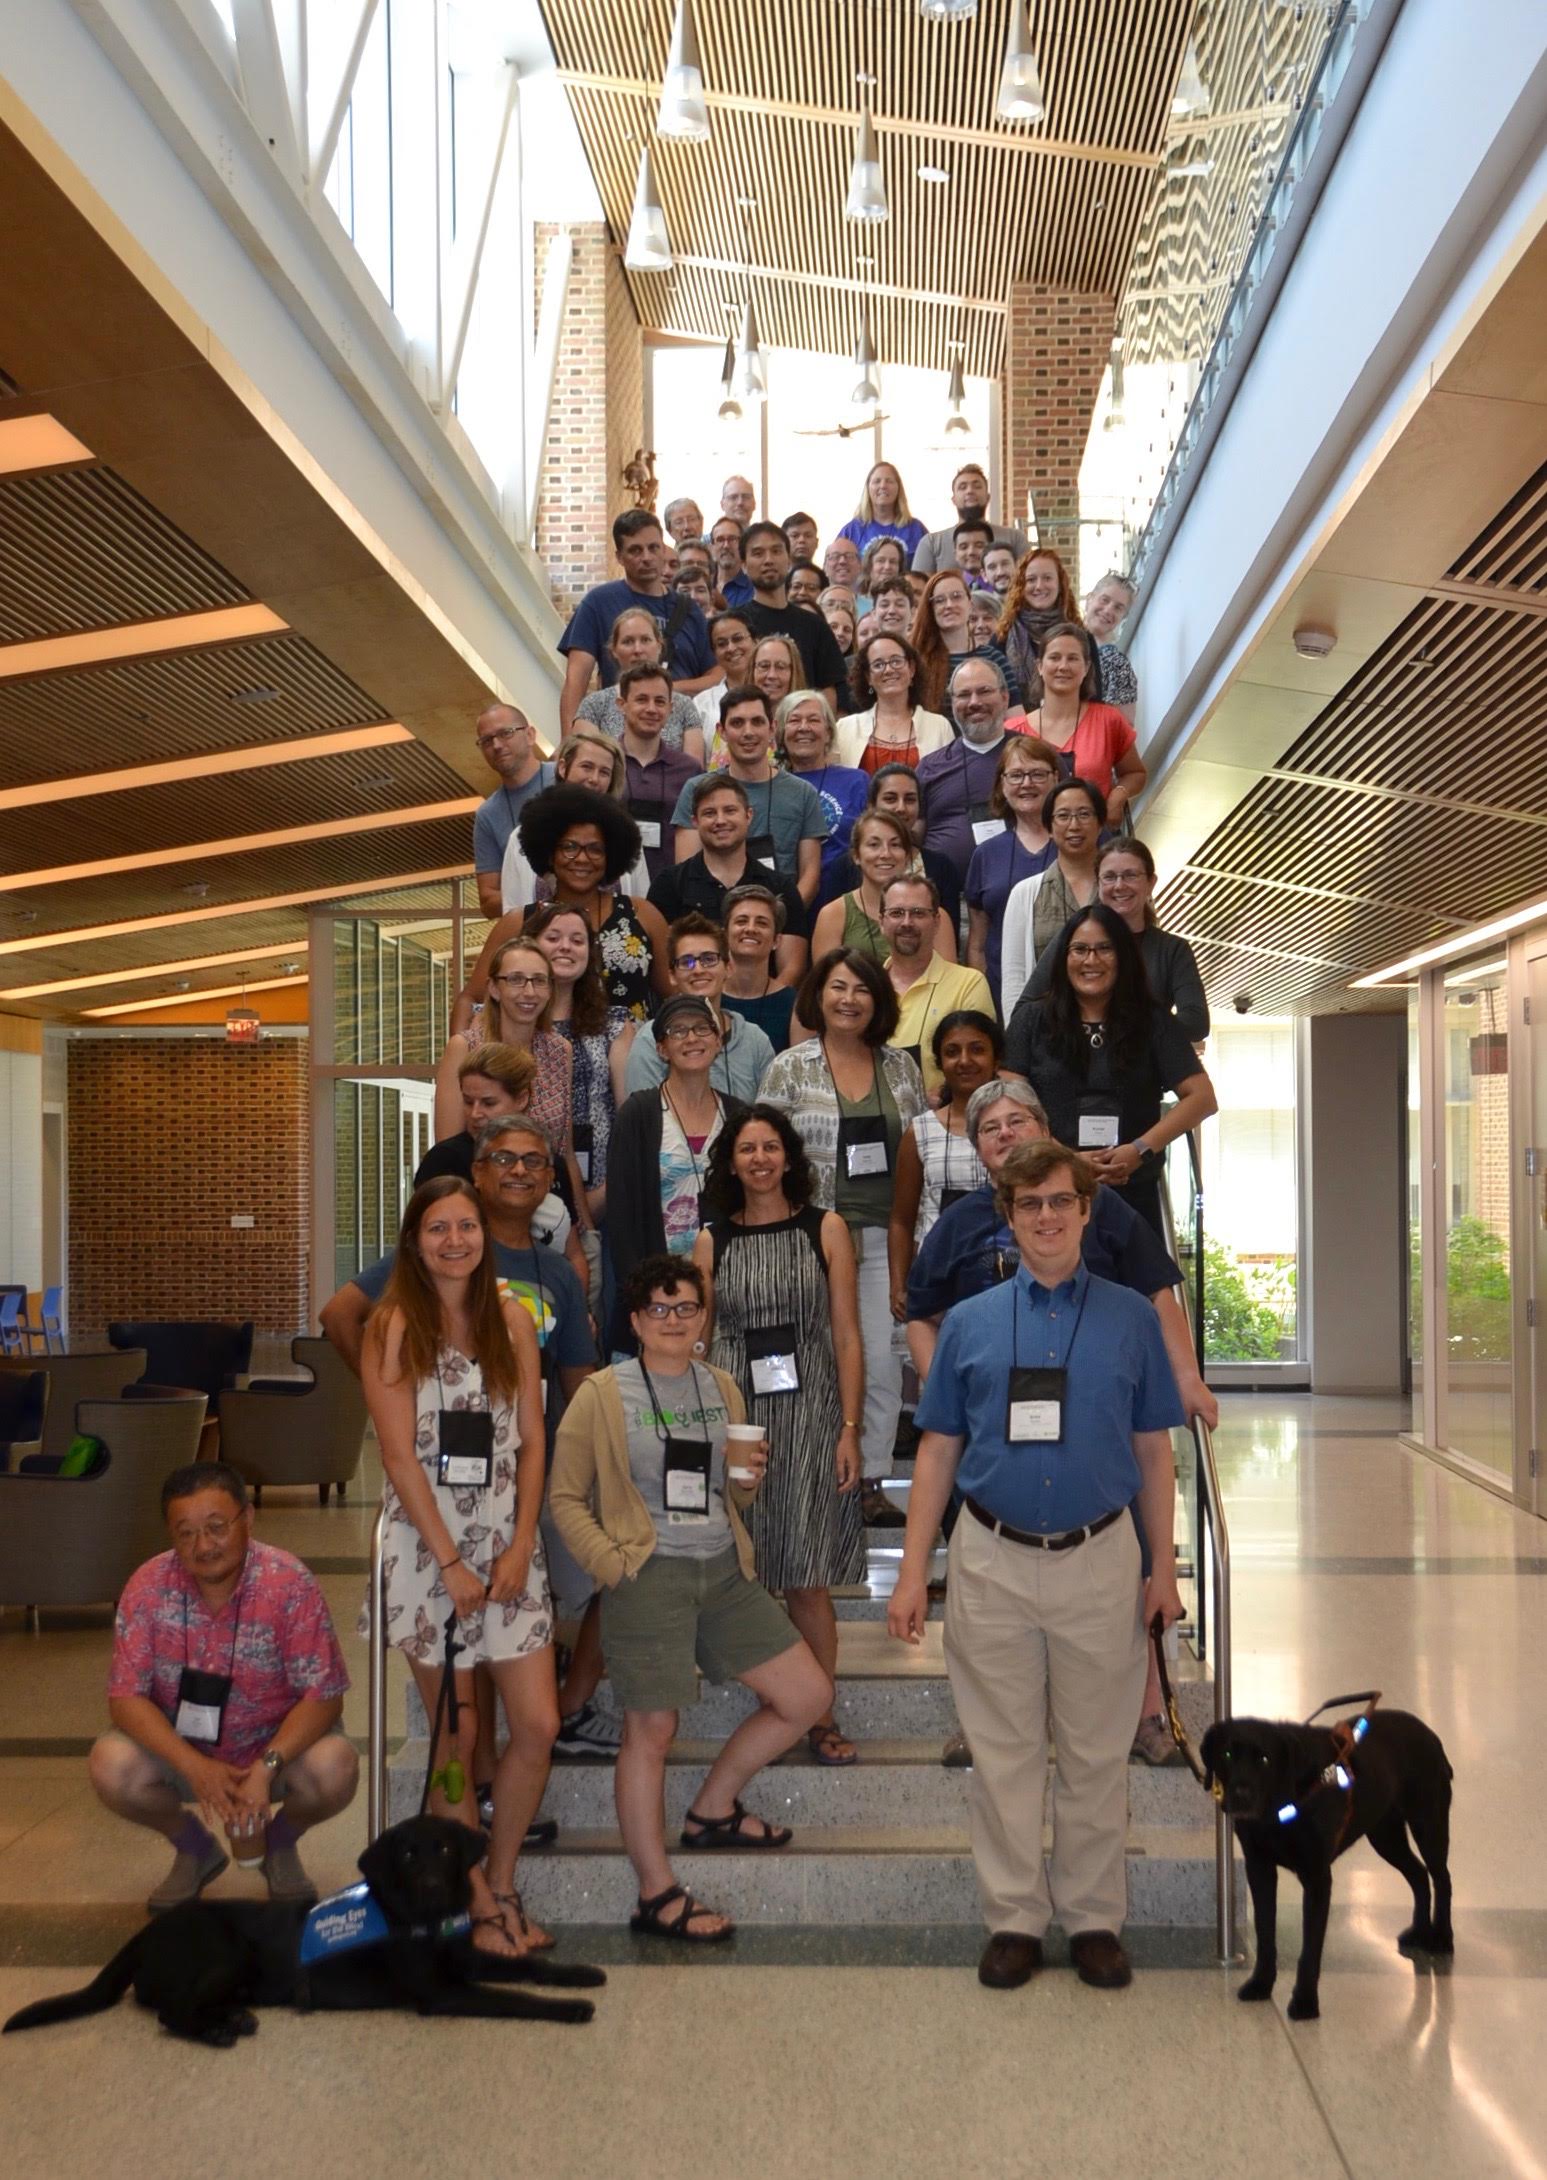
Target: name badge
649 832
466 1459
986 829
761 849
771 1359
1099 1131
865 1159
584 1135
949 1196
201 1704
685 1475
1034 1411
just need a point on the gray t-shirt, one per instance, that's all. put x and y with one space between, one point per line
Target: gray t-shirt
690 1407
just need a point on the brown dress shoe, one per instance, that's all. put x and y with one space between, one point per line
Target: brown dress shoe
1010 1959
1101 1960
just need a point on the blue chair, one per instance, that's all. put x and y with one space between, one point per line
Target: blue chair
13 1322
51 1321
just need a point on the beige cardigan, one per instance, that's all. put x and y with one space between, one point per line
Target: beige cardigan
852 735
595 1501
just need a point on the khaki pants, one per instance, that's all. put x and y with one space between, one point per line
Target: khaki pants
1034 1639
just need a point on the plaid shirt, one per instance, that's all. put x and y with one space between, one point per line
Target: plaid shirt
273 1635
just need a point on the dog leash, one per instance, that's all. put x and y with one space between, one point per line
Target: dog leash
1173 1714
447 1705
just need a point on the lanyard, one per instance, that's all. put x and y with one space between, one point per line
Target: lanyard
235 1632
440 1383
1015 1329
875 1083
719 1115
656 1424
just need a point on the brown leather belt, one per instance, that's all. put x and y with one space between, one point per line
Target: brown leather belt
1065 1543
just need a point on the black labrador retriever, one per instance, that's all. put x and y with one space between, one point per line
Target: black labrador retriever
1283 1786
398 1941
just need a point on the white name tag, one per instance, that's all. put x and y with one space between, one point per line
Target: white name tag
986 829
1098 1131
198 1721
649 832
465 1468
865 1158
1035 1419
775 1374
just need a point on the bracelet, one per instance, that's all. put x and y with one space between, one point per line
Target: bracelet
443 1564
851 1423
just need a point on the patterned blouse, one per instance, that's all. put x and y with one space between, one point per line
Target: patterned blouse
799 1084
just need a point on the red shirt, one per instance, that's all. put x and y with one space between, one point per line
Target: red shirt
273 1635
1102 736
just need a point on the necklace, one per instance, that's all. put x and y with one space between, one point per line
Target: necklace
1095 1034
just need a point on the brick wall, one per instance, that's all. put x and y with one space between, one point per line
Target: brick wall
597 417
1057 341
168 1136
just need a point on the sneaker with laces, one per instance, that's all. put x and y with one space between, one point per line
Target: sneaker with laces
589 1732
1153 1744
188 1876
284 1876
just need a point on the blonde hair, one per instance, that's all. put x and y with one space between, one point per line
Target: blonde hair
594 738
866 513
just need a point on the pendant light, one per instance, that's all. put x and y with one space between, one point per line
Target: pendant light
866 201
752 378
1020 84
868 388
957 419
683 111
1191 95
730 407
648 248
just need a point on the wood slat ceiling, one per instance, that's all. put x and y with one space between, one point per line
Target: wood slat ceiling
1012 211
80 549
1412 807
1257 62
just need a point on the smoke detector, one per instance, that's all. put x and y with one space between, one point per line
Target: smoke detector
1315 643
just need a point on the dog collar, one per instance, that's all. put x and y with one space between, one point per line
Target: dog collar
353 1918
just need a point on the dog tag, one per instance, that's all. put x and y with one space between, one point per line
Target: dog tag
466 1448
685 1475
986 829
771 1359
1034 1410
1099 1131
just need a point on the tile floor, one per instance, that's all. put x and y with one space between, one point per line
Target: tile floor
1357 1564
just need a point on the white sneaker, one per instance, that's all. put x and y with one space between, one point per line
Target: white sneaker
589 1732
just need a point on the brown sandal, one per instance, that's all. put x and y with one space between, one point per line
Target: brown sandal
820 1739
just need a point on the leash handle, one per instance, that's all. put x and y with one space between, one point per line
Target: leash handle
1369 1697
1173 1713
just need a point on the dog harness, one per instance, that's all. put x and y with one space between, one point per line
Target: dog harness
1346 1738
353 1918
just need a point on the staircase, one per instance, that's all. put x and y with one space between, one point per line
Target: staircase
881 1842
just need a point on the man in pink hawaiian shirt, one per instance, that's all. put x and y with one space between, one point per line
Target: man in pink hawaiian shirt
225 1692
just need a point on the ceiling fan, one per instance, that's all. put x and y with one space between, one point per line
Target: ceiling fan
843 431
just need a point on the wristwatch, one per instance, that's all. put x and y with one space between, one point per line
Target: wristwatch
273 1763
1148 1155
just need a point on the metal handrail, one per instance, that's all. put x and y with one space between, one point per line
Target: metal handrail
1213 1526
376 1614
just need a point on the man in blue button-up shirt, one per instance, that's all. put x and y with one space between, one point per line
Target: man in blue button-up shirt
1050 1405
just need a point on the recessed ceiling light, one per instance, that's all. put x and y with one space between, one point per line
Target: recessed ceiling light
259 693
197 890
376 781
934 174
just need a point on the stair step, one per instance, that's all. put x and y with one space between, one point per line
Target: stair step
894 1782
883 1874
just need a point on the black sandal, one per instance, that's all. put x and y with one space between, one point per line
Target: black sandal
718 1834
514 1900
648 1924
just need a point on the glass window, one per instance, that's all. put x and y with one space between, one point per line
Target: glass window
1479 1337
1250 1194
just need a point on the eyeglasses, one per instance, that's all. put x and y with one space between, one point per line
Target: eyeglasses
1015 777
1065 1200
520 983
682 1030
501 734
1093 953
887 666
514 1161
909 915
214 1531
698 961
991 1131
660 1311
579 851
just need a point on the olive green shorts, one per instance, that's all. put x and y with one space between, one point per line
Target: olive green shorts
677 1612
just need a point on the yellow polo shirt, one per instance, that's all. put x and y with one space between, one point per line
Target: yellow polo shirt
944 987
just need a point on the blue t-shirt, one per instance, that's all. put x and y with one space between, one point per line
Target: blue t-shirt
496 821
738 591
970 1249
1119 1381
997 866
910 534
841 790
592 621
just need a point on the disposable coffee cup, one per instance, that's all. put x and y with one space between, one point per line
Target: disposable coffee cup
250 1844
742 1434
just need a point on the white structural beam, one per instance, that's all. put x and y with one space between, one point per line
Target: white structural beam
466 260
271 46
326 113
